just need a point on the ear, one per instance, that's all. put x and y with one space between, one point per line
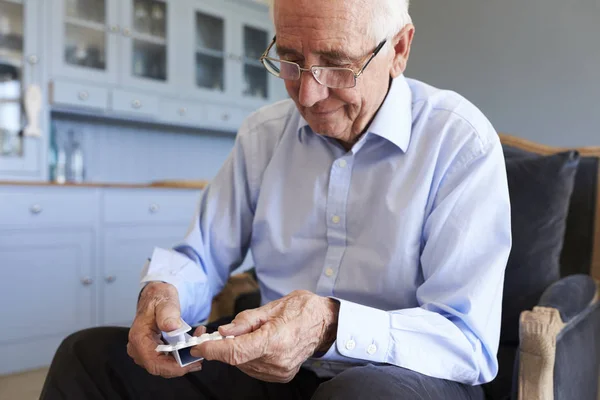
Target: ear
401 42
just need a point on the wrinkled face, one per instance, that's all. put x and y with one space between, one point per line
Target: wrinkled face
332 33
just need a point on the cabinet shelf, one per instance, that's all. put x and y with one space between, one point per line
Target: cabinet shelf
157 40
81 23
210 52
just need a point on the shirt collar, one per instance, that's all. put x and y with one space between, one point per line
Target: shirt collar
393 120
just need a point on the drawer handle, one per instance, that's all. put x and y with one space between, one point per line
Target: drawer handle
110 279
83 95
154 208
35 209
182 111
33 59
136 104
126 32
114 28
87 281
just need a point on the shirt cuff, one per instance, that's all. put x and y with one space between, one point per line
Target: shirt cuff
172 267
363 333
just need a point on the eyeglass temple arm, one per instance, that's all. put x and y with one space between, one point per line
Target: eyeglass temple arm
377 50
266 53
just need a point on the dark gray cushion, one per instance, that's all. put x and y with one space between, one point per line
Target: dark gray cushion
540 189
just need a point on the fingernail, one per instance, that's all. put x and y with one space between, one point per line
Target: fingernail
228 326
172 323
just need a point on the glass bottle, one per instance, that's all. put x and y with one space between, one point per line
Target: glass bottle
75 170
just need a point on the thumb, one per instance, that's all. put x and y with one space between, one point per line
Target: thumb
168 315
245 322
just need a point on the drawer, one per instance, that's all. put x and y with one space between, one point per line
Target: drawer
182 112
134 102
224 117
37 206
147 206
78 95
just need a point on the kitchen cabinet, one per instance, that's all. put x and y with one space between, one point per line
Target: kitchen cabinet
20 156
72 257
47 293
125 251
185 54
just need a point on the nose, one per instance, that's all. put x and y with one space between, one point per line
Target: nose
311 91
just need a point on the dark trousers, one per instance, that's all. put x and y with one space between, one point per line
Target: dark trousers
93 364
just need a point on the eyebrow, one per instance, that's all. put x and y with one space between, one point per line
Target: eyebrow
329 54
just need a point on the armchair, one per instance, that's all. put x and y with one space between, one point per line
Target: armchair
549 346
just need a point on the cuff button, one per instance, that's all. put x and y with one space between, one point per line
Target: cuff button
350 344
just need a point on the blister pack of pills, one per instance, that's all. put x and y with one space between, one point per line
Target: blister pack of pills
180 343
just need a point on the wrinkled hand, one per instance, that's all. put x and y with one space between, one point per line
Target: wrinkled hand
272 342
158 310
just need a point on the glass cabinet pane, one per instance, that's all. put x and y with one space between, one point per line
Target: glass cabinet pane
85 33
11 72
210 52
150 39
86 10
256 82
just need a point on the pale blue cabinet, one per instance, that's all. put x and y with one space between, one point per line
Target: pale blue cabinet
47 292
72 257
125 251
20 61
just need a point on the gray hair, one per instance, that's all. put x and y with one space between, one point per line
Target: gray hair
388 18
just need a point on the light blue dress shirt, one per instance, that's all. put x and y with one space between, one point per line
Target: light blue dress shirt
409 230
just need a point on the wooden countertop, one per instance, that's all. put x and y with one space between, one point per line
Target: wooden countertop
165 184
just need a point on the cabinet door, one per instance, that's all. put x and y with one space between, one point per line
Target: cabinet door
147 48
20 157
207 52
46 291
85 38
126 250
254 32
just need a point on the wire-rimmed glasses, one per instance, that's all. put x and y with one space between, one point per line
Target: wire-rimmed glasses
332 77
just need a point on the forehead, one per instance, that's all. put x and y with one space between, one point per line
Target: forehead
322 25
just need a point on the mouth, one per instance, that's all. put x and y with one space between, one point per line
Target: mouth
324 113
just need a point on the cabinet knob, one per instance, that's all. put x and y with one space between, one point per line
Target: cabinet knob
126 32
83 95
35 209
114 28
136 104
33 59
154 208
225 117
87 281
182 111
110 279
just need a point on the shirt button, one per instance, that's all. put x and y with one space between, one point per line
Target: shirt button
329 272
350 344
342 163
372 349
335 219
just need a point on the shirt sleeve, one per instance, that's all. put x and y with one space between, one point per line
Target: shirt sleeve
218 239
454 333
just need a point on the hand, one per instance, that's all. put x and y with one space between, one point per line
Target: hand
272 342
158 310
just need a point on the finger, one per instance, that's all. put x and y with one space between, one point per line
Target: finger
168 315
200 330
245 322
236 351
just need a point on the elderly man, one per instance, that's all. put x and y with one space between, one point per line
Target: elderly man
377 212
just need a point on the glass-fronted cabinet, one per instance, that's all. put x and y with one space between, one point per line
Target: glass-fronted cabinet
18 72
256 78
85 36
146 44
